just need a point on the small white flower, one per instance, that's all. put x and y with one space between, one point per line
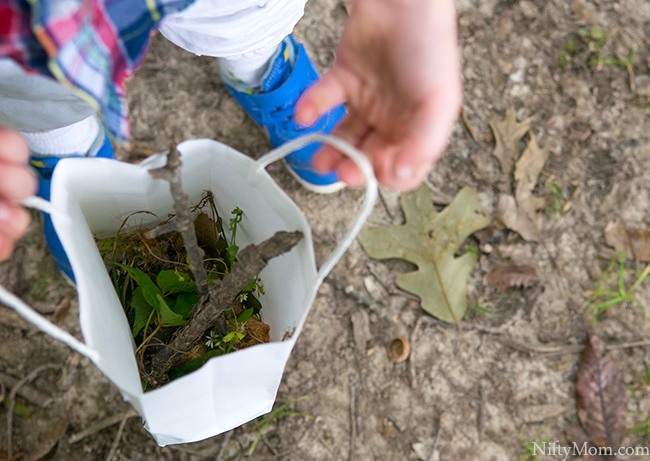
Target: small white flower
212 339
243 297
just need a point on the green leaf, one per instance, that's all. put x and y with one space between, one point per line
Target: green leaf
169 317
253 303
429 240
232 254
185 303
245 315
149 289
251 285
142 311
583 32
596 32
171 282
19 409
229 337
570 46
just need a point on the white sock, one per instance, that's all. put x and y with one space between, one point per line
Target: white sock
73 139
250 69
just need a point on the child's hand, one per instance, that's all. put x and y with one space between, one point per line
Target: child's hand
16 184
398 68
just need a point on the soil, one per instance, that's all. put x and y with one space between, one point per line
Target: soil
479 399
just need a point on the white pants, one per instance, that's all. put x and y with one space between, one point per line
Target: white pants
220 28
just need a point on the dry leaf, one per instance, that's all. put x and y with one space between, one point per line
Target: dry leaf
503 277
520 213
602 406
508 133
256 331
206 232
634 241
61 311
429 240
576 435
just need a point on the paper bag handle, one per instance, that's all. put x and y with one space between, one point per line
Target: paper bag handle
29 314
371 187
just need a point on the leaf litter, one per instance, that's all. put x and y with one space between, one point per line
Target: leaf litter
430 239
635 242
521 211
503 277
507 135
601 403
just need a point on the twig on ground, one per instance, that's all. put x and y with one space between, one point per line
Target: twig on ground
27 391
220 297
628 345
349 290
562 349
183 223
118 437
411 359
480 419
472 133
224 443
12 402
383 202
354 397
273 451
308 431
432 457
466 326
100 425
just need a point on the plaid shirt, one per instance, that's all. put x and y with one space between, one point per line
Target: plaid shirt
90 46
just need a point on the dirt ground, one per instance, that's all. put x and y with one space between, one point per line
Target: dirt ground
512 382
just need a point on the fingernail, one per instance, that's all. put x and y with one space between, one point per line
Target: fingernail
404 172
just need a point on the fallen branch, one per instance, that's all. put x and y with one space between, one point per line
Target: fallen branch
220 297
27 391
118 437
182 223
100 425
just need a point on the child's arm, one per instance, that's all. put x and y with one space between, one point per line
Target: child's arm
398 69
16 184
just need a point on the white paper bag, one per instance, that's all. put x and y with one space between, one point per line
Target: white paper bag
92 197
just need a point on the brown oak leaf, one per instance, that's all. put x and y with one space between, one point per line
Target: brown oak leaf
601 405
519 213
507 134
634 241
502 277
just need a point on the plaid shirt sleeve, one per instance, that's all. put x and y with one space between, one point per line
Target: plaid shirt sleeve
90 46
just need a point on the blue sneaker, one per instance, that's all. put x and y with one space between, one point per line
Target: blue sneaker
289 74
44 167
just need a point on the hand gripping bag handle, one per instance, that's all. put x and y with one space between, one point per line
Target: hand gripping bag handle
34 317
368 202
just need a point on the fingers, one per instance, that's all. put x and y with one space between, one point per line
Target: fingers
16 184
13 149
353 130
327 93
428 139
14 221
